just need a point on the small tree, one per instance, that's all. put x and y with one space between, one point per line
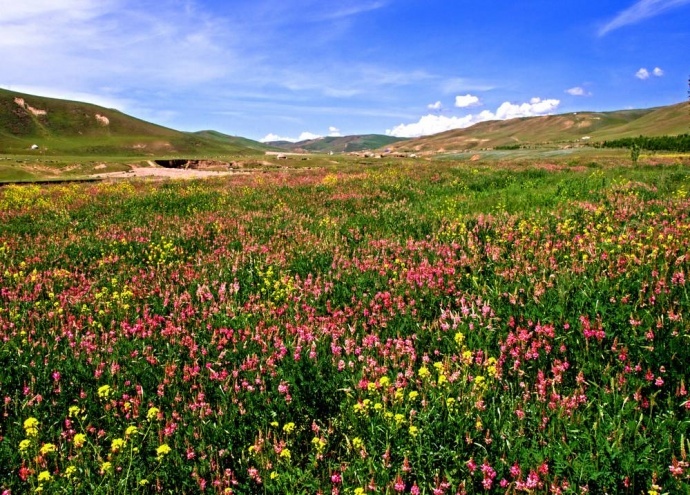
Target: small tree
635 153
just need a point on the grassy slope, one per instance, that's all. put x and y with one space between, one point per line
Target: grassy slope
71 128
565 128
340 144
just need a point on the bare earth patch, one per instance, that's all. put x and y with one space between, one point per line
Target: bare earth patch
163 173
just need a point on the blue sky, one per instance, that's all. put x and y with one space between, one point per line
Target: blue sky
303 68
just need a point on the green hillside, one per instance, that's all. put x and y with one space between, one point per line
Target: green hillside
343 144
564 129
62 127
227 140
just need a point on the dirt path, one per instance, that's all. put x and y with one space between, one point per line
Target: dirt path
157 172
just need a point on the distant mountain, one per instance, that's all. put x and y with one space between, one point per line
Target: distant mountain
339 144
235 141
570 128
61 127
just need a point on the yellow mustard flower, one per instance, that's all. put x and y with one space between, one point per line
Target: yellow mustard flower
289 427
163 450
31 427
70 471
285 454
117 445
106 467
104 391
24 445
423 372
44 476
47 448
152 413
73 411
79 440
414 431
131 430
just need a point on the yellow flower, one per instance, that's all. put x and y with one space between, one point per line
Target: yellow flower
384 381
106 467
289 428
31 427
442 379
131 430
399 419
73 411
459 338
285 454
152 414
357 443
24 445
319 443
424 372
79 440
378 406
70 471
413 431
47 448
163 450
104 391
117 445
412 395
371 386
275 424
274 475
143 482
360 491
44 476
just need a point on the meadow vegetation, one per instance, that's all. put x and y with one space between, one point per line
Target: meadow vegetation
414 327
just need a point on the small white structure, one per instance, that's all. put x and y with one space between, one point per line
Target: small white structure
34 146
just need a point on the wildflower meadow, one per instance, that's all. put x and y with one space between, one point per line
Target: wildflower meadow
423 328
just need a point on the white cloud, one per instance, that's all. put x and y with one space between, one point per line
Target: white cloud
308 136
535 107
430 124
577 91
433 124
435 106
641 10
269 138
642 74
658 72
466 101
334 132
305 136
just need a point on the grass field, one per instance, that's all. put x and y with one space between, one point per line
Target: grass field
437 327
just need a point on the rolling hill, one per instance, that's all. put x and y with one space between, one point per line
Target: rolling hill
564 129
62 127
341 144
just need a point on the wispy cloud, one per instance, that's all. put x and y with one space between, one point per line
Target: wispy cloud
641 10
578 91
